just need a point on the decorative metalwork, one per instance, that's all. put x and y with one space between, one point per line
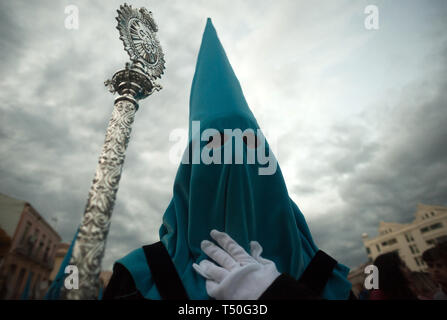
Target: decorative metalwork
137 31
133 83
91 240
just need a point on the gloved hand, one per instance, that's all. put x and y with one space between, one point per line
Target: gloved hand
240 276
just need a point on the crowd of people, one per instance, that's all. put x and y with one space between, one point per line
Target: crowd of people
397 282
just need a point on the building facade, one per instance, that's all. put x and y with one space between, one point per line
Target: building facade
410 240
27 249
61 251
357 278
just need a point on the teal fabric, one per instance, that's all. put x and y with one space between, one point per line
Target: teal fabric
232 198
54 291
136 263
25 293
101 292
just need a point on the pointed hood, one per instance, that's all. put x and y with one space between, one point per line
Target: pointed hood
216 92
229 197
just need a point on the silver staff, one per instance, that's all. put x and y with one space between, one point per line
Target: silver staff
135 82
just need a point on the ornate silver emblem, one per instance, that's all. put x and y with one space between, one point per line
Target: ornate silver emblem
137 31
133 83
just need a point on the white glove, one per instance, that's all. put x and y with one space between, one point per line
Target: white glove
239 276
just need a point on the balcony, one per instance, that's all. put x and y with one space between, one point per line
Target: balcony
36 257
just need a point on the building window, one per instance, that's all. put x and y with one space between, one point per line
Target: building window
417 261
392 241
409 237
368 251
25 233
378 247
431 242
45 255
432 227
47 252
414 249
39 248
424 229
432 214
389 242
436 226
31 241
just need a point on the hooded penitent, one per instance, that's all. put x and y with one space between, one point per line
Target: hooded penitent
231 197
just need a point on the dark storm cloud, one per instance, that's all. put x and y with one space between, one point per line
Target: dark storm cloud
409 165
12 34
55 109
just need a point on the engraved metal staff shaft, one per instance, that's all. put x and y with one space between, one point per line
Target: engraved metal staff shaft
134 82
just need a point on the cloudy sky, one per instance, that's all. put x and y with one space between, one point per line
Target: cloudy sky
357 118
